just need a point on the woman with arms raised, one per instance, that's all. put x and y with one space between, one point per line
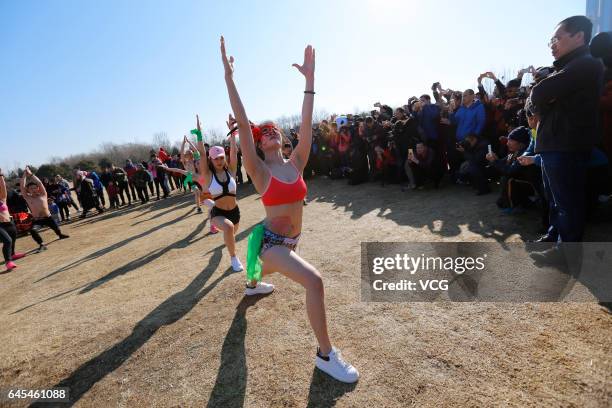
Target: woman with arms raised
282 189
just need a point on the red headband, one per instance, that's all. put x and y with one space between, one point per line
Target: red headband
256 133
255 130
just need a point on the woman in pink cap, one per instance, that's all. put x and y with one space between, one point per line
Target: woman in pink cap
194 166
282 189
219 178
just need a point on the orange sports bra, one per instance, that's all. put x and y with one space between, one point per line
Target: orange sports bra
280 192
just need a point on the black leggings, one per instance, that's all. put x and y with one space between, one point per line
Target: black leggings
8 236
46 222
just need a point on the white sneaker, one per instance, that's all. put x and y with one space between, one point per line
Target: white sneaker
236 264
336 367
262 288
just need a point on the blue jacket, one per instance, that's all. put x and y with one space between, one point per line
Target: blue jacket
96 180
469 120
530 151
429 119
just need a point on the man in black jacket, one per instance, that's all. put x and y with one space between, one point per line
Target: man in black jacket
568 104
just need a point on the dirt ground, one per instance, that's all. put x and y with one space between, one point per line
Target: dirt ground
140 308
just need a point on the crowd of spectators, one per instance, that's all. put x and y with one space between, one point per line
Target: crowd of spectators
547 142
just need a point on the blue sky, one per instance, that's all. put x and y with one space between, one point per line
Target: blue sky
76 74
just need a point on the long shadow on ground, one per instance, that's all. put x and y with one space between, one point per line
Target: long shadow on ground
230 386
325 391
171 310
115 246
157 215
132 265
443 211
145 259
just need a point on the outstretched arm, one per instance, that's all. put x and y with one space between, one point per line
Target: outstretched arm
302 150
22 181
233 165
203 162
252 163
182 154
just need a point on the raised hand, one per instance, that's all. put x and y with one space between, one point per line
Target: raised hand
27 171
308 67
228 64
198 126
231 122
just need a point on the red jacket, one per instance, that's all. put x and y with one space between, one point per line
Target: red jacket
163 156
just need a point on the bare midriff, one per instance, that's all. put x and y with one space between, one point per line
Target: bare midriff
38 205
4 214
285 219
226 203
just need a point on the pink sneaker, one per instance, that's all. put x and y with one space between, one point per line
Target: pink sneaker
10 265
213 229
18 255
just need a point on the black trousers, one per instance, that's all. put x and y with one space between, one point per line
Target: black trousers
133 190
143 194
47 222
73 204
8 236
64 212
123 187
160 183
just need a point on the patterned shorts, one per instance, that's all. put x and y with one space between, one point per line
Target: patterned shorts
271 239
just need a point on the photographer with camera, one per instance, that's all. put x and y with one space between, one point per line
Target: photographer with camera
294 137
358 155
385 112
422 165
468 116
375 136
428 118
473 167
515 182
406 134
388 162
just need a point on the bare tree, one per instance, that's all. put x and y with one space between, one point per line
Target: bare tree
160 139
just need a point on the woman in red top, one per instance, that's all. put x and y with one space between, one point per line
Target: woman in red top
282 187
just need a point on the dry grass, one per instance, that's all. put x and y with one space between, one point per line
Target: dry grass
139 308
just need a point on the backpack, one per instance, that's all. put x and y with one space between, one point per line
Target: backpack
23 221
